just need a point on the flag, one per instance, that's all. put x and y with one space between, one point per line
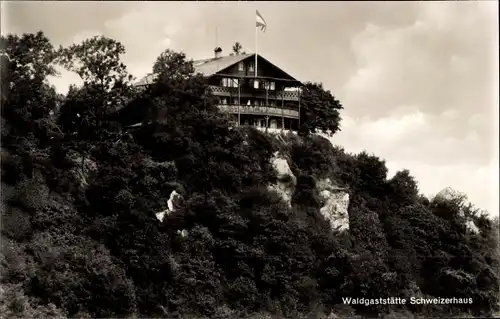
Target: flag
260 22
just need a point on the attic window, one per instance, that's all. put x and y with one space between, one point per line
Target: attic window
251 67
241 66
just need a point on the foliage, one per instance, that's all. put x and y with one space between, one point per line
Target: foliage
314 156
80 276
173 65
97 61
319 110
81 192
84 114
106 81
237 49
15 304
27 98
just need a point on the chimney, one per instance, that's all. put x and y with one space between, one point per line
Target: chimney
217 52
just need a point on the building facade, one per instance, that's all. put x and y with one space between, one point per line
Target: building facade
268 98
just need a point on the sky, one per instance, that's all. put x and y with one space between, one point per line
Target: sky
418 80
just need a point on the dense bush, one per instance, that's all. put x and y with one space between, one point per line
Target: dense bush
82 193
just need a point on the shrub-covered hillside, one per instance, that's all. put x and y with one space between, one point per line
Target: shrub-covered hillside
186 216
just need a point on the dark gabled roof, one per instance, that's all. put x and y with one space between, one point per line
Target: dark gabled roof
206 67
291 77
209 67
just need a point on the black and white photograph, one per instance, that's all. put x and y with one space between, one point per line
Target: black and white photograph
247 159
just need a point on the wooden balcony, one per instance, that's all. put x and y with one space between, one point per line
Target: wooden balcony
259 110
251 92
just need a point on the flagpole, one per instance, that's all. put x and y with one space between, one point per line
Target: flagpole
256 38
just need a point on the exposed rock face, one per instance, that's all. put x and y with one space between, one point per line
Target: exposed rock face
183 233
286 181
336 204
161 215
171 205
336 199
472 227
450 195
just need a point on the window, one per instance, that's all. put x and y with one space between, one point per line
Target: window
249 102
256 84
270 86
251 67
241 66
235 101
224 101
272 103
229 82
274 124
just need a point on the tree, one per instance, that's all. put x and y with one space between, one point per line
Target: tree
372 175
26 57
107 87
177 91
27 97
96 61
173 65
319 110
237 49
170 70
403 189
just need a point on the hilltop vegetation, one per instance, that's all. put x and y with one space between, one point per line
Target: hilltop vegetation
80 193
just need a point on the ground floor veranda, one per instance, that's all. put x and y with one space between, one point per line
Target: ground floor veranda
262 121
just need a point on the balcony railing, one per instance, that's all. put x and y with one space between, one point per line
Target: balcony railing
246 92
289 95
259 110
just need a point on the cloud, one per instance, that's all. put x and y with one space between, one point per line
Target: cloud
84 35
384 136
442 67
414 142
429 63
153 27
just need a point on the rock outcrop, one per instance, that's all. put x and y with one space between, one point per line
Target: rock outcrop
450 195
286 181
336 204
171 205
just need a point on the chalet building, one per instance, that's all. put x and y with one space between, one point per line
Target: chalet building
268 98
